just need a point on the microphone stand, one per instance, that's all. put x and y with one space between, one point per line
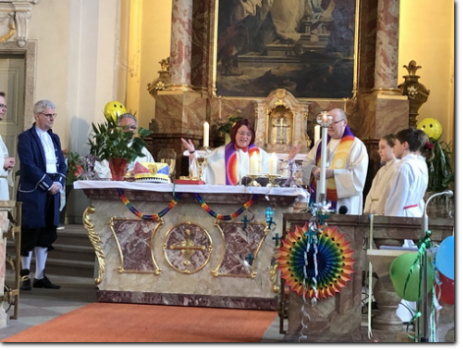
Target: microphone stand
424 265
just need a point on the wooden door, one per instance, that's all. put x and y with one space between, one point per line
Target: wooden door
12 82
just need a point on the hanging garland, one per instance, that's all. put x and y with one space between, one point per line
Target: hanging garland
176 199
235 214
149 217
332 269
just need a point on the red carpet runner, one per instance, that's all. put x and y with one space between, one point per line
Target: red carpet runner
110 322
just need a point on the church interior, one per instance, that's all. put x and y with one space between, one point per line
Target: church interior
178 64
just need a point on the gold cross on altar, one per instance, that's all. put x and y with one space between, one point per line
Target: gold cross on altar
186 247
280 127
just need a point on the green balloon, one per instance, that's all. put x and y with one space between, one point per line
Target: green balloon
399 271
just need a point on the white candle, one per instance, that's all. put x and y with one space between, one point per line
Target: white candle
206 135
254 164
273 164
321 187
316 134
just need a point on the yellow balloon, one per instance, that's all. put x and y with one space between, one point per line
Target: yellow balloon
113 109
431 127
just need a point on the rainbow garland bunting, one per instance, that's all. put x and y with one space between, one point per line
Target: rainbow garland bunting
151 217
176 199
235 214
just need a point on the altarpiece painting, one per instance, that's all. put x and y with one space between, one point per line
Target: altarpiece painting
303 46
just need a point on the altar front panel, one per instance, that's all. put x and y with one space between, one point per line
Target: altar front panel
187 257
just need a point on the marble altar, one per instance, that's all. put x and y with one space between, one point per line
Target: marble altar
185 256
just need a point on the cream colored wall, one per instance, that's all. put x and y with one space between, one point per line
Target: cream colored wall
77 45
427 36
149 43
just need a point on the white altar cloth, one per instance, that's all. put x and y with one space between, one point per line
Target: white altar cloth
186 188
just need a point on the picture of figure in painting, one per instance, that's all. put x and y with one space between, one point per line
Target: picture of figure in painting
304 46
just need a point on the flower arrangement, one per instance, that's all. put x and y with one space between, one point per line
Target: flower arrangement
110 141
75 165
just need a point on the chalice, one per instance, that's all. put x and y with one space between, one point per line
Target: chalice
201 162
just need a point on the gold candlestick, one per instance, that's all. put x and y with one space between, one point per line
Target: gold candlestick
253 180
271 181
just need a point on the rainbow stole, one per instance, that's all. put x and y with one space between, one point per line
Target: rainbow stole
231 171
339 162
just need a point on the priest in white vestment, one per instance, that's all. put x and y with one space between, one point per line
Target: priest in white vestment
346 166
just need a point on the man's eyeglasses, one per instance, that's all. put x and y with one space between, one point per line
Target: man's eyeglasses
337 121
245 134
48 115
130 127
3 106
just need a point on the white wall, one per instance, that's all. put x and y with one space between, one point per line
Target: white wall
427 36
76 62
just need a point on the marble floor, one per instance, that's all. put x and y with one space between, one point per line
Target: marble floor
42 305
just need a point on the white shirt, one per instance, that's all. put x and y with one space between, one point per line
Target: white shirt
49 149
4 190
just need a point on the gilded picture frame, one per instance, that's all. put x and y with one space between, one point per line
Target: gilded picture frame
305 47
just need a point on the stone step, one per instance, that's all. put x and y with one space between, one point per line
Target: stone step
65 267
73 252
73 255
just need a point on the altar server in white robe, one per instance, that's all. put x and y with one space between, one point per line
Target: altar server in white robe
410 180
379 191
228 164
347 164
408 186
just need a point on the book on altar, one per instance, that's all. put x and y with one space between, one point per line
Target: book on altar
189 181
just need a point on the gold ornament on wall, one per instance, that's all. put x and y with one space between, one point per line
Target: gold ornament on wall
416 92
12 30
162 81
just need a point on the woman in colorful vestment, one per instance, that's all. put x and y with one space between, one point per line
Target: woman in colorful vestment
228 164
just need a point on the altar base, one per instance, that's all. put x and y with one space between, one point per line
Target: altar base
186 257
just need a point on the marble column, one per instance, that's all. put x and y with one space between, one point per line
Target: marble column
388 105
383 110
180 45
387 44
180 111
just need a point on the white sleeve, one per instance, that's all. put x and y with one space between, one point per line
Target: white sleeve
309 163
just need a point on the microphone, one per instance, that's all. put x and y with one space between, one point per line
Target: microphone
342 210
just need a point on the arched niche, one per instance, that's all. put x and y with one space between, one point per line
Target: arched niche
281 121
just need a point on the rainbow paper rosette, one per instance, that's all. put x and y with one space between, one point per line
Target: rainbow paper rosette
334 262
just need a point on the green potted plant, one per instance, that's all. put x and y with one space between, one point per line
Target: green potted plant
118 145
226 127
440 168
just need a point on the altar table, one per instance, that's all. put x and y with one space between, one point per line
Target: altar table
186 256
